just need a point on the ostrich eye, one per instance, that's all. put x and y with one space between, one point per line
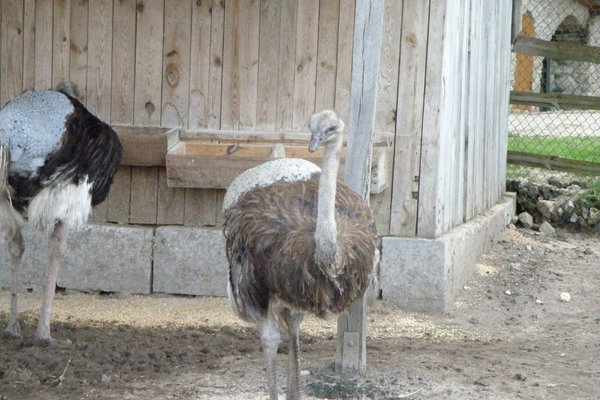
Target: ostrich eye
330 130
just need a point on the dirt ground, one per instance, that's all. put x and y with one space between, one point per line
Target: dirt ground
509 336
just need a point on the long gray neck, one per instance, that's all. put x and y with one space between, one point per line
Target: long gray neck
326 250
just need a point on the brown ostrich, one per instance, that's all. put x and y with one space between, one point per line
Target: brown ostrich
298 241
57 160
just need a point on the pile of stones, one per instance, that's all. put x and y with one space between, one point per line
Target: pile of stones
557 202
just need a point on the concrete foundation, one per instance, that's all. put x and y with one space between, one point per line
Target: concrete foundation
416 274
107 257
426 274
190 261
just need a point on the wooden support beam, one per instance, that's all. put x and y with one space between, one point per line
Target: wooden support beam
556 100
552 162
556 50
516 20
352 328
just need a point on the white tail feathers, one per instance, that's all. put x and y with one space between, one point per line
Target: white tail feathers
66 202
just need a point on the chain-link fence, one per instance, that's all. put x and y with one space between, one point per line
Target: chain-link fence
554 121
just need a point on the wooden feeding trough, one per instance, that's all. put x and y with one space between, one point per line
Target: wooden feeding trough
209 165
145 146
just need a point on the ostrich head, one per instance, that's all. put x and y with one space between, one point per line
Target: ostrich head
326 127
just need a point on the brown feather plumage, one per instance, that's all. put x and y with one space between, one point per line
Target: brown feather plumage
270 247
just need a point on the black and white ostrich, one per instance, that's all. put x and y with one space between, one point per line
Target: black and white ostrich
298 241
57 160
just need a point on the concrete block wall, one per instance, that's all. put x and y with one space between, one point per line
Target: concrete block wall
190 261
416 274
125 258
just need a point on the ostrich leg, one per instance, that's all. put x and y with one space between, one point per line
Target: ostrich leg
15 247
270 338
294 387
57 251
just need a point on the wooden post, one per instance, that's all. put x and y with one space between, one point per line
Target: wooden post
351 346
516 20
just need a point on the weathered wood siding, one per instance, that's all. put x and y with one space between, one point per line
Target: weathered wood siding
266 65
450 147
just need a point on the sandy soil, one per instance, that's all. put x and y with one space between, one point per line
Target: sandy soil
509 336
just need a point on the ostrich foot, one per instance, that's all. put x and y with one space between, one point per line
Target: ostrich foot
13 331
41 341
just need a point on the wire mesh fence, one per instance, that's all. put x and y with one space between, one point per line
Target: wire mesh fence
554 121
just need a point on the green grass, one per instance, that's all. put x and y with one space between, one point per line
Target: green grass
583 148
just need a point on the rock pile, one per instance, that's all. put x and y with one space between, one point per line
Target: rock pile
556 203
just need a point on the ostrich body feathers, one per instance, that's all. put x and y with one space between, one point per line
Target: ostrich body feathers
57 150
270 241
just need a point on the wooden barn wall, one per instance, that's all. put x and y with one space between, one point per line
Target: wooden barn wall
450 142
266 65
248 65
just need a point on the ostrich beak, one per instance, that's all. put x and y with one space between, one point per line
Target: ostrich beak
314 143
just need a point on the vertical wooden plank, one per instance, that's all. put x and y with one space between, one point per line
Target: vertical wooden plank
148 62
387 86
216 65
200 64
431 207
175 102
28 45
409 121
454 69
119 198
357 173
268 65
516 19
200 207
287 65
205 100
122 100
387 100
44 16
176 63
148 79
123 62
171 202
327 54
78 57
11 61
61 41
100 58
240 64
344 59
144 194
505 93
479 156
474 103
462 145
307 30
490 104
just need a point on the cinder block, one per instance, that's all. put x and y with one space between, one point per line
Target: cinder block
190 261
426 274
111 258
34 263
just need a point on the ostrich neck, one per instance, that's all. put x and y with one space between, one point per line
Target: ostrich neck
326 229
